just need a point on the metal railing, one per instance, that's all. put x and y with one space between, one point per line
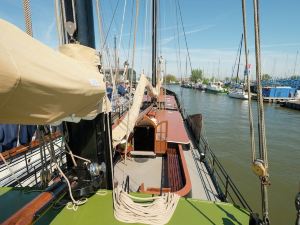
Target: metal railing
225 186
120 105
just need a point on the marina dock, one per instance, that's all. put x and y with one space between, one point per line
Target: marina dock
294 104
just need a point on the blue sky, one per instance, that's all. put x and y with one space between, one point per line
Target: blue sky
213 31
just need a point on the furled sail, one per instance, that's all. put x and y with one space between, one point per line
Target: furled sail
128 122
39 85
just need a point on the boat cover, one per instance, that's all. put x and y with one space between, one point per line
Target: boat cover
39 85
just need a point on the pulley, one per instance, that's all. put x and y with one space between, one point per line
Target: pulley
258 168
45 177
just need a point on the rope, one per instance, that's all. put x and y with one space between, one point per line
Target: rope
186 45
114 13
261 119
238 65
100 26
75 203
250 113
10 170
27 17
145 33
74 14
131 75
63 14
235 61
158 211
122 25
58 18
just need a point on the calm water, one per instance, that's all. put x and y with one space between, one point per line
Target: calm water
227 130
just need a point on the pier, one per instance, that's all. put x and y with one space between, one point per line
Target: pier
294 104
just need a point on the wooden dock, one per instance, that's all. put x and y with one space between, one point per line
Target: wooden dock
278 100
294 104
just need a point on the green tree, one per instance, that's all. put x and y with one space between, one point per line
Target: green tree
205 80
266 77
197 75
295 77
170 78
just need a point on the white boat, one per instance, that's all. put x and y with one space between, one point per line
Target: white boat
215 87
238 93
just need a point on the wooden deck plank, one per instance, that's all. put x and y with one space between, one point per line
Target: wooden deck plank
176 129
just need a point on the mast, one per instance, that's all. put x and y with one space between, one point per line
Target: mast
89 139
154 41
238 66
294 73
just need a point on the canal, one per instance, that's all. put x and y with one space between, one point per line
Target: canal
226 127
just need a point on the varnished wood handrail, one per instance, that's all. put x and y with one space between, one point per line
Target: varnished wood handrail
24 148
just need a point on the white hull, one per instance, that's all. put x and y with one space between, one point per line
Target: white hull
238 94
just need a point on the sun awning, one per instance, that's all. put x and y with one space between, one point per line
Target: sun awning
39 85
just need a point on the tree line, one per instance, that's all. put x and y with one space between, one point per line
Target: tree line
198 76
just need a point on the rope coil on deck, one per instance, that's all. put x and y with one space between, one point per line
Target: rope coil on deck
152 210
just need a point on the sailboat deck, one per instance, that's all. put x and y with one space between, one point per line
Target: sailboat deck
140 170
99 210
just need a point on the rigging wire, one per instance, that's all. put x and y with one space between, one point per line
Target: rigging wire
145 33
185 39
130 31
178 40
113 17
236 58
100 24
131 73
122 24
238 65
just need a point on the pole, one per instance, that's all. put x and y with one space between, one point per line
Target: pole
294 73
154 41
238 67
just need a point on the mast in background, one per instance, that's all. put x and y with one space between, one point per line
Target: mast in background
154 41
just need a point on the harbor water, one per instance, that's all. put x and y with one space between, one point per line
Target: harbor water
226 127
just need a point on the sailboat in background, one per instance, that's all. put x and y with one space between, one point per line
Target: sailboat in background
238 90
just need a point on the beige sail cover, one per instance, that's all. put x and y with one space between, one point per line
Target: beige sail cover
128 122
39 85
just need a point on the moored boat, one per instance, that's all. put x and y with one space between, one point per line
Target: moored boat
215 87
239 94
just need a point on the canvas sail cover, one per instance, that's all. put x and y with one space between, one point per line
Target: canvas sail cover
128 122
39 85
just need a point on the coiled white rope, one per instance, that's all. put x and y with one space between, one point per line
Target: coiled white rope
152 210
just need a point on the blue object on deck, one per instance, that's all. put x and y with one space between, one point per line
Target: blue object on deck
109 91
9 135
121 90
26 133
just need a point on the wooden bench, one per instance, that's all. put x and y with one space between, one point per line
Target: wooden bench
174 170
